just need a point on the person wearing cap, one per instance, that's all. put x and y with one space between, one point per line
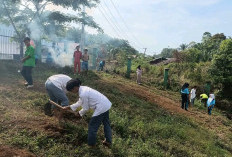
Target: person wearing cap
77 55
210 103
92 99
28 63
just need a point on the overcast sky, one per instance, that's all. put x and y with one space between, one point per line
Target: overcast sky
157 24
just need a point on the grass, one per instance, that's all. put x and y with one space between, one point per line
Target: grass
140 128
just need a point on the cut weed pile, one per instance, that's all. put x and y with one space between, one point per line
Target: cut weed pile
145 121
9 151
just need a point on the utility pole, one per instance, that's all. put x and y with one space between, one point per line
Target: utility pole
82 45
145 49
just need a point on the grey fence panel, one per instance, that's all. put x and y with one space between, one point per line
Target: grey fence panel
9 49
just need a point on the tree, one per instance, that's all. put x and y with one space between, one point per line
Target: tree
183 47
221 69
192 44
8 12
192 55
120 48
167 52
206 36
74 34
210 45
31 17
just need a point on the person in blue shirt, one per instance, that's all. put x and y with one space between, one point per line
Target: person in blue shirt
101 65
210 103
185 96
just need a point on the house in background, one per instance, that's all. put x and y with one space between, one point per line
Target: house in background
162 61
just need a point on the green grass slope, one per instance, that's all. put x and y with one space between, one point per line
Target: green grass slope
140 127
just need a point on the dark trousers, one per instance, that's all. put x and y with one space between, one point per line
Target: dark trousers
210 110
27 74
94 125
204 102
56 94
184 103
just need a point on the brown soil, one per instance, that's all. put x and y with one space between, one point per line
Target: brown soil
6 151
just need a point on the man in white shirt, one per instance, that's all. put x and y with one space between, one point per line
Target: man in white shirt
193 95
56 88
92 99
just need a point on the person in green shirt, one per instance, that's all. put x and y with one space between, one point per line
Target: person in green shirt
28 63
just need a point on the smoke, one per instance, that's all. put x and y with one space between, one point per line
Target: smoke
62 53
62 59
35 30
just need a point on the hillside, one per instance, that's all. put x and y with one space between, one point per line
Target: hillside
145 121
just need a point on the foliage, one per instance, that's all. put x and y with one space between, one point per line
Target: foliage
210 45
167 52
30 16
120 50
221 69
193 55
183 47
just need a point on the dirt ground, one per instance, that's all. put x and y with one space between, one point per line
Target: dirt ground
6 151
21 118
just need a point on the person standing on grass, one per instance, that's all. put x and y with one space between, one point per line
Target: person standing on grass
193 95
139 74
77 55
92 99
185 96
56 89
85 59
28 63
210 103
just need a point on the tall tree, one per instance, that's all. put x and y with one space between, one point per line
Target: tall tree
206 36
221 69
34 19
183 47
210 45
167 52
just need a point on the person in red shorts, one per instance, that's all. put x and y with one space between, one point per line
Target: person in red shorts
77 55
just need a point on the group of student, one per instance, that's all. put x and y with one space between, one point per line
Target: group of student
29 62
208 102
77 55
58 85
186 97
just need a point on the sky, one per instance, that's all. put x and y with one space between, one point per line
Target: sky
158 24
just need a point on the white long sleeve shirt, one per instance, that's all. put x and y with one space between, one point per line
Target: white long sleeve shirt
60 81
91 99
193 93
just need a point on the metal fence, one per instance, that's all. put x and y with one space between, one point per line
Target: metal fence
9 49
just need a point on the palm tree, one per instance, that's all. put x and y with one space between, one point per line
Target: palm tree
183 47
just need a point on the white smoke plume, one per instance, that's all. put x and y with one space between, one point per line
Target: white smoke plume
36 31
62 59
